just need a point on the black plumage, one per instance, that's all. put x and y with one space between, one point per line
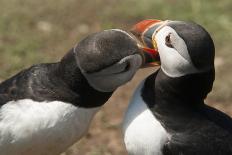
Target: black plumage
175 93
195 127
198 41
62 81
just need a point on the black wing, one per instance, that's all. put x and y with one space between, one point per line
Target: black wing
210 133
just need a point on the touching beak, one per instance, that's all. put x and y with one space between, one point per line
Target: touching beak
144 34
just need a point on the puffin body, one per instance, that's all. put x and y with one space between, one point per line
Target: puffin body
167 115
48 107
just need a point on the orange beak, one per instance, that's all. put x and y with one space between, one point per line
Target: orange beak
143 32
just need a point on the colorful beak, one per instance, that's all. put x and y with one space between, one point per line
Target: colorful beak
144 32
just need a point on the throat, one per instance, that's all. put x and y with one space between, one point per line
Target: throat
175 101
189 90
69 71
71 75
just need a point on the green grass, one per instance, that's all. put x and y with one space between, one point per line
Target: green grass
42 31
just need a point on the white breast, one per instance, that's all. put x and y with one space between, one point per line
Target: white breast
143 133
41 128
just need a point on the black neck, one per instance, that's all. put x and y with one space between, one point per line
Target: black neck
176 98
70 73
189 90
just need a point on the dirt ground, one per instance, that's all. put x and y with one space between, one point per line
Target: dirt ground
105 137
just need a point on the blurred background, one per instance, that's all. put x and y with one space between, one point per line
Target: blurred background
44 30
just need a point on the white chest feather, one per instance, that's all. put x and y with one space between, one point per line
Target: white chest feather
41 128
143 133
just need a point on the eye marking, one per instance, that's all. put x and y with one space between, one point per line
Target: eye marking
168 41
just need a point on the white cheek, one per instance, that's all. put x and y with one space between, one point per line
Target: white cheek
173 63
176 69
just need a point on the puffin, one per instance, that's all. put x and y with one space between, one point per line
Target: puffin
48 107
167 114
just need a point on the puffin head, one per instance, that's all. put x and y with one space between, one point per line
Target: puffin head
186 52
184 47
109 59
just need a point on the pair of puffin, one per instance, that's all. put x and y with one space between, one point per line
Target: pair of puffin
48 107
167 114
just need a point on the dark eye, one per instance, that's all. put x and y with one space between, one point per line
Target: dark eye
168 41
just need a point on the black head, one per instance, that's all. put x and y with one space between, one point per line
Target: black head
186 51
108 59
103 49
198 41
184 47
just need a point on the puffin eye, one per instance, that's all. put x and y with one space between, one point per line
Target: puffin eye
168 41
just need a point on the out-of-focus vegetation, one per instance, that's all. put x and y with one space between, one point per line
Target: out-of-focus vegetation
42 31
